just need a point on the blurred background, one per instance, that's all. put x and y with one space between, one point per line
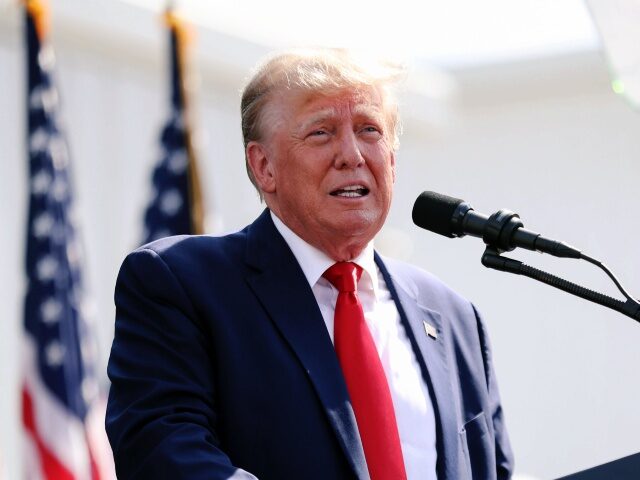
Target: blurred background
527 105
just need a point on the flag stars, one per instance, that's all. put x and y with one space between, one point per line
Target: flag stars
39 140
51 310
40 182
46 268
170 202
58 151
53 250
42 225
49 99
35 98
46 58
59 190
54 354
73 253
177 162
45 98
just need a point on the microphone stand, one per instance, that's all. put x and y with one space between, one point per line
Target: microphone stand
492 258
499 232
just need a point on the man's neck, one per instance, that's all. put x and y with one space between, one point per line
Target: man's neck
314 261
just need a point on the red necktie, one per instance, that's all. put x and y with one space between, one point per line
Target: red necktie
366 381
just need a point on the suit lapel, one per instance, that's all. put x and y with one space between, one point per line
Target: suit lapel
280 285
432 357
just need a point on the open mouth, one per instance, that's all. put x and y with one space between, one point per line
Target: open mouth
351 191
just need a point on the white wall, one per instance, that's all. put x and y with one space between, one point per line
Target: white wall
565 158
544 138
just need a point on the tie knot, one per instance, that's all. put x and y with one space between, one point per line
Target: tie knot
344 276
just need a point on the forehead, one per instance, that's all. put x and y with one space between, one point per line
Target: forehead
307 106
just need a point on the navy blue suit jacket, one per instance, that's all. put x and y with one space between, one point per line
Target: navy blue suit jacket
222 367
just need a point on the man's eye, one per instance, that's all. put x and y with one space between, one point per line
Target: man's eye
318 133
371 129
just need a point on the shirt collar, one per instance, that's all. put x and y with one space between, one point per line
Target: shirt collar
315 262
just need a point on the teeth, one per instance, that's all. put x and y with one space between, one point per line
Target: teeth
351 191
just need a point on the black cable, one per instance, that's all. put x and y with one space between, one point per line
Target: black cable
602 266
573 288
492 259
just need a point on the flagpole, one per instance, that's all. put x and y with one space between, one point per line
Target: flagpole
40 12
184 37
176 205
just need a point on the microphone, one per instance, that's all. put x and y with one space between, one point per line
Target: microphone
453 217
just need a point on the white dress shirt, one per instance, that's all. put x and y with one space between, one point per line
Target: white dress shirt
409 393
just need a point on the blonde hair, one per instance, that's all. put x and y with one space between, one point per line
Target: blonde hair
322 70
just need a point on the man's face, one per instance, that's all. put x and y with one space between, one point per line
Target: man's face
330 166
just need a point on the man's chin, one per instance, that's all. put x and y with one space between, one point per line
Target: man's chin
357 223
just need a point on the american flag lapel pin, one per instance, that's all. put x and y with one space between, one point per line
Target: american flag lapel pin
430 330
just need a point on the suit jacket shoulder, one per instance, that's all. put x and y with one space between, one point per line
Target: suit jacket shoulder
221 365
422 284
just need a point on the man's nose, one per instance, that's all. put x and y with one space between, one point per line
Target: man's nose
348 154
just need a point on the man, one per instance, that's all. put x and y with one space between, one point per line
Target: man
291 350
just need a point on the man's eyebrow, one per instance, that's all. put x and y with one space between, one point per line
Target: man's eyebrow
317 117
368 110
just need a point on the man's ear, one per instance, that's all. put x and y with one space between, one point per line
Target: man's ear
393 166
261 165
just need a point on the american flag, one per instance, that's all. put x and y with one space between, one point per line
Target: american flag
60 394
176 207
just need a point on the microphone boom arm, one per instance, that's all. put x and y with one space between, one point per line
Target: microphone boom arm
491 258
504 231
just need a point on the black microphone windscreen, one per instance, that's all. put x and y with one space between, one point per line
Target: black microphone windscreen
434 211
